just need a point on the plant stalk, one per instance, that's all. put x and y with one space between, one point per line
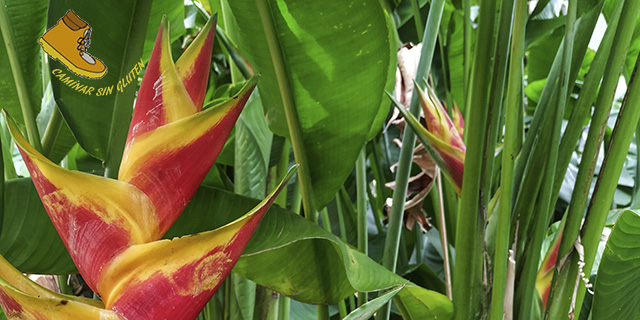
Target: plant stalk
417 18
52 132
392 241
443 237
513 101
291 112
561 301
468 288
530 270
361 186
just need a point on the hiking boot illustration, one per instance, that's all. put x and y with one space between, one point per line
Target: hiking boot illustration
68 41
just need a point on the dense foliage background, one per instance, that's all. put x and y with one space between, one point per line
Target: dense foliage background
548 107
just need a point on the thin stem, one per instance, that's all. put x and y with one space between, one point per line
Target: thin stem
291 112
326 223
26 104
419 243
392 241
497 95
562 288
468 289
323 311
361 201
52 132
608 178
466 58
417 18
340 210
503 232
284 307
443 238
342 309
581 111
63 283
530 270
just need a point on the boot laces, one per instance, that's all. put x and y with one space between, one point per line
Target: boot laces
84 41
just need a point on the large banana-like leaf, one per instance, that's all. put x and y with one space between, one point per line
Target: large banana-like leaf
25 22
99 120
617 290
111 227
325 269
337 57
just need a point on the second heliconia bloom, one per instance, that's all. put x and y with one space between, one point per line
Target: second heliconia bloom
112 228
441 137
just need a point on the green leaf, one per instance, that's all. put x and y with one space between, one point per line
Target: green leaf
325 45
617 290
28 239
99 117
324 270
175 14
64 139
367 310
252 149
27 20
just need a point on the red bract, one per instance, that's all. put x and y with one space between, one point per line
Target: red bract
440 138
112 228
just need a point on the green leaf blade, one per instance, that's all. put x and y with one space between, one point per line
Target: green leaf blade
617 290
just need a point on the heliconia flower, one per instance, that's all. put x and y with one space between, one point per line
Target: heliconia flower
458 120
545 274
440 138
112 228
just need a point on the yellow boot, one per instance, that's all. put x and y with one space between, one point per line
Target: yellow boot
68 41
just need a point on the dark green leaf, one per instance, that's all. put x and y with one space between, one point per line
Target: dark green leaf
337 56
28 239
27 20
98 110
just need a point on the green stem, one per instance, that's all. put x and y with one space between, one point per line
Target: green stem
323 311
231 48
468 289
419 245
291 112
342 309
52 132
284 307
281 170
26 104
392 241
443 238
530 271
497 96
326 223
417 18
233 51
63 282
508 160
361 201
608 178
562 299
7 161
466 58
581 111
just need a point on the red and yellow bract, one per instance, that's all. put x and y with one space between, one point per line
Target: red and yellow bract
112 228
441 137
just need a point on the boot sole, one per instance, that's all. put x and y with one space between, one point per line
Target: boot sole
54 54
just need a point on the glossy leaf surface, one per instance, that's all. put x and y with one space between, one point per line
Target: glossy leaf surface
326 46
